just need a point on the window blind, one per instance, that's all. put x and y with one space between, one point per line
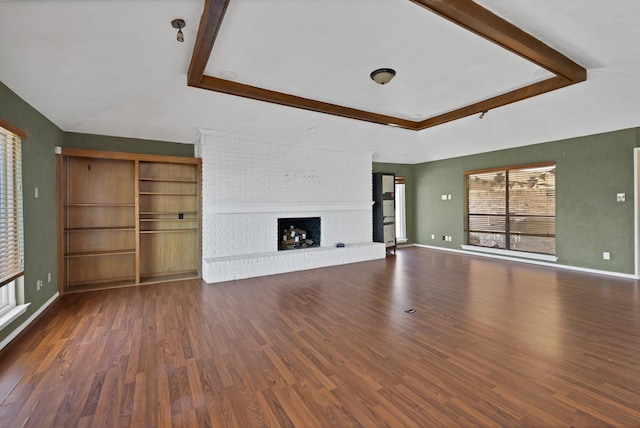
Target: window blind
532 208
512 208
11 214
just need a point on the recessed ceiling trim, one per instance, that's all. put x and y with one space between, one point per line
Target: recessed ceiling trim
261 94
523 93
465 13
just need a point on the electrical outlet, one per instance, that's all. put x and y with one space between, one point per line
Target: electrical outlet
36 193
449 197
49 277
444 238
38 285
620 197
433 236
606 255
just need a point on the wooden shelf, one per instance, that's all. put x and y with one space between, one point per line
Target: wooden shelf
191 229
167 212
100 229
100 253
162 180
168 219
76 204
167 194
101 285
171 276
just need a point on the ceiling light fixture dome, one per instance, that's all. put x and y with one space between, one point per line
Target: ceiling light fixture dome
382 76
179 24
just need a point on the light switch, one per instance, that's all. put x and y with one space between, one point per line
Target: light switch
620 197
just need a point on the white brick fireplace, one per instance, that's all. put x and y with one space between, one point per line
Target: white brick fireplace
247 185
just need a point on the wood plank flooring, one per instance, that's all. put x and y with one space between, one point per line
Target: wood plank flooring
491 343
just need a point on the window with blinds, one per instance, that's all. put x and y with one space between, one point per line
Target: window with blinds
513 208
11 222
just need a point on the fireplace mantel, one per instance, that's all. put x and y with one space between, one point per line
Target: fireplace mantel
262 207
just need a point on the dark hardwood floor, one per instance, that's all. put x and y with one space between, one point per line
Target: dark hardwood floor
491 343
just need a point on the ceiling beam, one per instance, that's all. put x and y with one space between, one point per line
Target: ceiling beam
465 13
475 18
523 93
261 94
210 23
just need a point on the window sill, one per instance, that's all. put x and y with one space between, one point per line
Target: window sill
510 253
10 316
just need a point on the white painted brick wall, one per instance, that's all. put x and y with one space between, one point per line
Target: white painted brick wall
236 170
247 185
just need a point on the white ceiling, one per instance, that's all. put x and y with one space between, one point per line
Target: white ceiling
113 67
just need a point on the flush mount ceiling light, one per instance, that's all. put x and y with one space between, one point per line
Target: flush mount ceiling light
382 76
179 24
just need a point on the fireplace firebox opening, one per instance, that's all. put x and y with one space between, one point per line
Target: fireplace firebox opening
298 233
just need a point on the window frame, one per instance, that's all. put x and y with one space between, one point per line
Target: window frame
508 234
12 282
401 209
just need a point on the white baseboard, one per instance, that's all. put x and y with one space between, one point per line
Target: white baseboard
25 324
533 262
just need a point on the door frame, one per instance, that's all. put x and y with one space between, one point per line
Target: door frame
636 209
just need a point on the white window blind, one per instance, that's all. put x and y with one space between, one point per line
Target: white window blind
513 208
11 216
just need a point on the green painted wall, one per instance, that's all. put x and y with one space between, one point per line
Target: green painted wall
128 145
38 170
590 172
406 171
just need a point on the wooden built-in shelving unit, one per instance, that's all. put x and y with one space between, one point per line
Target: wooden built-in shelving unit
169 203
126 219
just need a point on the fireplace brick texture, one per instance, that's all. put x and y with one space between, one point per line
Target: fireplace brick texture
240 171
247 185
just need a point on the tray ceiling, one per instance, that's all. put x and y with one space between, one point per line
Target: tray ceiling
316 56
